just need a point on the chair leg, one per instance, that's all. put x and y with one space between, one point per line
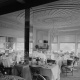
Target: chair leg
72 72
66 71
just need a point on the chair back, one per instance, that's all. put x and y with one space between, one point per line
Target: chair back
27 73
51 61
30 58
64 62
69 62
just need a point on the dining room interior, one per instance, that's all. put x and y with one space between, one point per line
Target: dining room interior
41 43
54 41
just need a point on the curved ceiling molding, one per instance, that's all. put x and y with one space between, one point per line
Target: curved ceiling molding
10 26
13 20
21 15
60 16
55 13
10 21
56 6
56 16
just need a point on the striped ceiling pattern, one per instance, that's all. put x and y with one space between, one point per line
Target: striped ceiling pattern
14 20
63 15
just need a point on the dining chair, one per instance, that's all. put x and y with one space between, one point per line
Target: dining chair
2 69
36 75
51 61
67 68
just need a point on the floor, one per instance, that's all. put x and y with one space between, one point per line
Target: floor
76 74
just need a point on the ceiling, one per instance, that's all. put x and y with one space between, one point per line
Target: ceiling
14 20
34 3
59 16
7 6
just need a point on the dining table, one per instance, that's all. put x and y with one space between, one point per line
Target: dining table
22 70
10 77
52 71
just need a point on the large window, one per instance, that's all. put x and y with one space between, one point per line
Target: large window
54 47
67 47
2 44
79 47
30 47
78 50
20 46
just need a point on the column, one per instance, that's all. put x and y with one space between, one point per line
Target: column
27 26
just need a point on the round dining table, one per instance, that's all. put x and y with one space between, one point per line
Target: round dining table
22 71
51 71
10 77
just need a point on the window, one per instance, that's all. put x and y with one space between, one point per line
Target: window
54 47
2 44
78 50
2 47
20 46
67 47
30 47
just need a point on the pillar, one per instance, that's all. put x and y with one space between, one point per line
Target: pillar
27 26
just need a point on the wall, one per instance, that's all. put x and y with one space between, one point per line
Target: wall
11 32
41 35
57 38
62 37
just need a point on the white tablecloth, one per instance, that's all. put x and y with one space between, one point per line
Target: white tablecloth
7 61
52 72
56 72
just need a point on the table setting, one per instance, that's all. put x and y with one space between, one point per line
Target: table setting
46 68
